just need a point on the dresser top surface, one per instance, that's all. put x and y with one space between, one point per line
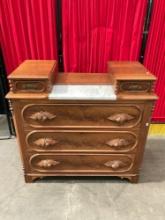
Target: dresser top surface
33 69
126 70
82 92
72 86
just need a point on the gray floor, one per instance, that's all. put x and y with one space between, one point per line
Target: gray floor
83 198
4 129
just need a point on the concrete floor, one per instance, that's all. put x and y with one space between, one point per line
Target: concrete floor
4 129
83 198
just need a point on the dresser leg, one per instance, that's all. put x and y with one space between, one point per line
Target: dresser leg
134 179
29 179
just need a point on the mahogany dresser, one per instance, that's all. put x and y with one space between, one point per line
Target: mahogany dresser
81 124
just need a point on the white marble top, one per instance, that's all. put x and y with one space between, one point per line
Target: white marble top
82 92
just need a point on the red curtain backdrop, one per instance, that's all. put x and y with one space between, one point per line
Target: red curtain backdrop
28 31
155 55
99 30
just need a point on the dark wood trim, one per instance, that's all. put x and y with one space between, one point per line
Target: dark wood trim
59 34
4 89
146 29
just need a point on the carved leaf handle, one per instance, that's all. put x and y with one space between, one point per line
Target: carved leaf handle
120 118
42 116
118 142
115 164
47 163
45 142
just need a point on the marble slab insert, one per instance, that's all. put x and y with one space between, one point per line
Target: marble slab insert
82 92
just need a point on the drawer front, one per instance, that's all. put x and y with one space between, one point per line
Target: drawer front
82 141
82 115
28 86
81 163
135 86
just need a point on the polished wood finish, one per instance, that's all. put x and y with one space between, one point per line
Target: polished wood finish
84 78
131 77
121 96
81 163
78 137
36 76
82 115
24 96
125 70
82 141
135 86
34 69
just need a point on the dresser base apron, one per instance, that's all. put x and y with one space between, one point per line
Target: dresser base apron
29 178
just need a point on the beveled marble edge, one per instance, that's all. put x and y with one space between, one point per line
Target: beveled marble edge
82 92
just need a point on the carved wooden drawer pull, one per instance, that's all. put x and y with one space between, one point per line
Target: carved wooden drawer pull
45 142
47 163
120 118
115 164
42 116
118 142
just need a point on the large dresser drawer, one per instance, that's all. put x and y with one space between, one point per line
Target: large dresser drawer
82 115
82 141
81 163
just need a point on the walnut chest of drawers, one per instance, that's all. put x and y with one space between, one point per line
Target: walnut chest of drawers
101 132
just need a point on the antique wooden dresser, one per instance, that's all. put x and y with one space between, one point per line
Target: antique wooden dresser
81 124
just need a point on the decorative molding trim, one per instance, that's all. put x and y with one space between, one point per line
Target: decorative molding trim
11 85
28 109
10 106
135 86
29 86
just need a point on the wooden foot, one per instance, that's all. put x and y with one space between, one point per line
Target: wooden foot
134 179
30 179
